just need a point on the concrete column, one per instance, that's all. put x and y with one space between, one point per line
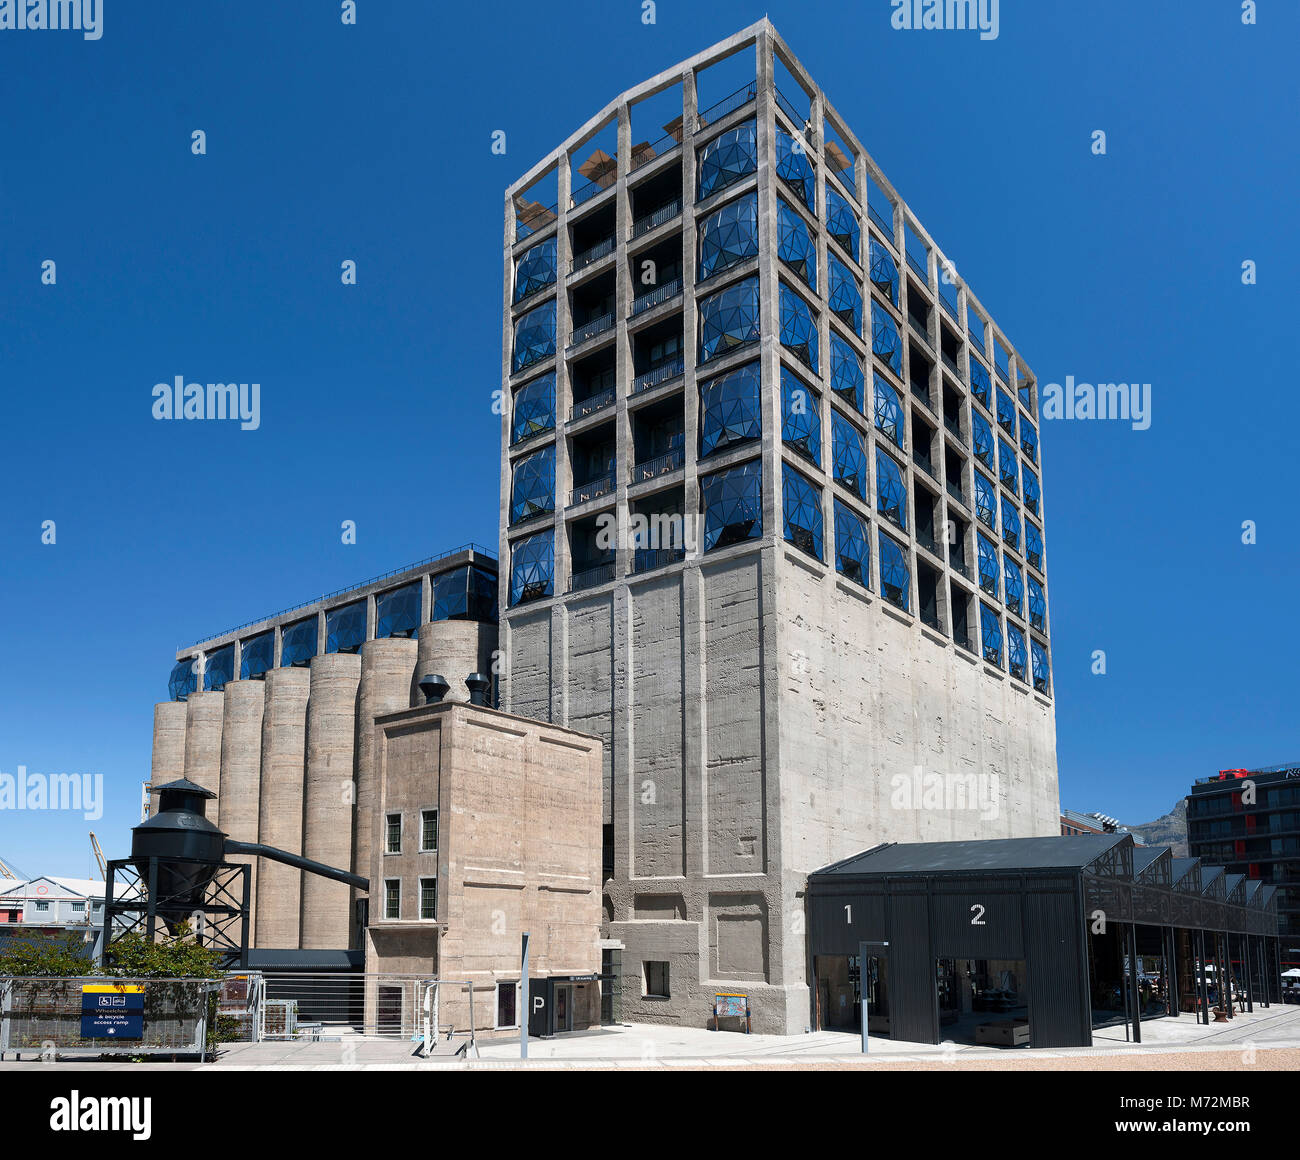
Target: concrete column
327 797
284 730
387 668
241 766
168 747
203 717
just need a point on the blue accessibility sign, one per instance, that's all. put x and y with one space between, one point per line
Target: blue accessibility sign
112 1011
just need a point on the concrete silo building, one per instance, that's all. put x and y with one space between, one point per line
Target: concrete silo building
771 520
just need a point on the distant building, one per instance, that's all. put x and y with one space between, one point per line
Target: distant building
51 906
1074 823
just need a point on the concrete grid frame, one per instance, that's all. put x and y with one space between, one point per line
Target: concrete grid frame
761 713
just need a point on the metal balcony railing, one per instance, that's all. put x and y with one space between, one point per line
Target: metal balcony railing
656 297
962 641
960 566
648 559
928 542
652 152
949 308
592 577
592 188
660 465
885 227
736 100
930 617
951 364
953 424
592 490
591 404
787 107
656 218
919 270
594 254
663 373
954 490
920 328
590 329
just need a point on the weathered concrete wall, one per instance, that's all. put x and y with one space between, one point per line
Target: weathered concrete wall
454 648
328 797
168 763
203 719
241 770
284 758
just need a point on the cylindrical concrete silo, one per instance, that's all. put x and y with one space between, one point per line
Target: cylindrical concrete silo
328 797
168 747
203 719
386 669
284 763
241 768
454 648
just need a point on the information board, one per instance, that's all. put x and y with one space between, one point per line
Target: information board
112 1011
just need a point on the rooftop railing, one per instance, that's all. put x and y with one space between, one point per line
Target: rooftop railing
949 308
646 153
886 227
919 270
729 104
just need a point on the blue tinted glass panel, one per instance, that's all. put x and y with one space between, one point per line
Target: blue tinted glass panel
980 386
1015 586
467 593
298 644
798 330
1033 493
852 545
183 680
345 628
1006 414
1033 545
1029 440
532 567
884 271
889 411
1016 652
885 343
845 297
1037 605
842 221
1042 673
219 668
986 504
729 319
793 245
1011 525
534 336
533 485
727 158
397 613
535 269
991 635
729 236
730 411
990 579
849 455
983 439
848 379
1008 468
801 424
891 491
534 410
257 656
895 572
733 505
793 167
803 512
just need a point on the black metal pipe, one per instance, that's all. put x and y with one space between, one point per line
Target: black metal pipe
296 860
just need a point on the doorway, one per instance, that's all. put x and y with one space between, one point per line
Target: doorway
983 1001
839 993
563 1007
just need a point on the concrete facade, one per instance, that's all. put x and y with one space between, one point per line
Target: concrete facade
761 713
513 810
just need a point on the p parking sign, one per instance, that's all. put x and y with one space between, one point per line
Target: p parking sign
112 1011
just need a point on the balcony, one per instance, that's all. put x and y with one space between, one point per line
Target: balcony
962 640
659 466
951 364
949 308
653 220
921 328
590 405
886 227
668 371
953 423
960 566
592 577
648 559
716 112
592 255
919 270
590 329
592 490
930 616
644 154
954 490
656 297
926 539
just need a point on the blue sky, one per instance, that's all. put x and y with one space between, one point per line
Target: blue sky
372 143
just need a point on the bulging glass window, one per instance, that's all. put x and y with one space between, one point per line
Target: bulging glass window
980 386
1015 583
219 668
534 336
888 411
733 505
794 246
466 593
532 489
1037 605
1033 494
534 409
1011 526
298 644
257 656
345 628
895 572
397 613
849 456
845 296
884 271
885 343
982 439
1016 652
1042 673
1008 468
729 319
535 269
986 504
729 236
852 545
988 565
730 411
848 380
794 168
801 424
798 330
891 491
991 635
1033 545
183 679
532 567
1006 414
842 221
803 512
1029 440
727 158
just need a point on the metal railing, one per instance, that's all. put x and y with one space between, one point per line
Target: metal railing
919 270
886 227
951 364
543 216
589 329
594 254
954 490
921 391
950 308
648 559
729 104
663 373
960 566
953 425
661 465
962 641
591 577
656 297
592 188
931 617
928 542
591 404
921 328
591 490
653 152
784 103
656 218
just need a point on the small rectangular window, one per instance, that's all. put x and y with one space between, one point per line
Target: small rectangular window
656 980
393 842
507 1015
42 906
429 831
428 898
392 898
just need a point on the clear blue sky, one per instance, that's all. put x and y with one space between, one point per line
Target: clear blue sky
328 142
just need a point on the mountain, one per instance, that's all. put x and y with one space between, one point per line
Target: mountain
1170 830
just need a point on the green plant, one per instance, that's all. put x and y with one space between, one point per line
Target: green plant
134 956
51 956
